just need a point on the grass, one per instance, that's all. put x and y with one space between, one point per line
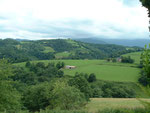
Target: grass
122 72
48 49
135 55
62 54
104 70
97 104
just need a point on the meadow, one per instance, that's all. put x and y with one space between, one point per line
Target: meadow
100 104
122 72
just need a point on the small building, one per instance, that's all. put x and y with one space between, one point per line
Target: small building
119 59
70 67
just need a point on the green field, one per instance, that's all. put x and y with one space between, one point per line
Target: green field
62 55
97 104
48 49
135 56
104 70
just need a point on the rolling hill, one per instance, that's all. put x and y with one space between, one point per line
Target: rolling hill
20 51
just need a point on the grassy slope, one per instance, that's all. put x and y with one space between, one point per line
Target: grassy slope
135 56
48 49
103 69
111 103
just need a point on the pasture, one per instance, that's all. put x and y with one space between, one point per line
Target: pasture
135 56
104 70
98 104
122 72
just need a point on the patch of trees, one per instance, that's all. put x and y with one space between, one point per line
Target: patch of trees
127 59
93 88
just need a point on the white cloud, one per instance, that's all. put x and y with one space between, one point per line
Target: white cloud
110 18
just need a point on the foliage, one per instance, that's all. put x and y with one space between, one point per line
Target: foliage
22 51
81 83
145 64
60 65
146 3
127 59
66 97
36 73
37 97
53 95
146 61
92 77
9 97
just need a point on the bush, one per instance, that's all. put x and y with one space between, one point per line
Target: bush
37 97
92 78
127 60
66 97
55 95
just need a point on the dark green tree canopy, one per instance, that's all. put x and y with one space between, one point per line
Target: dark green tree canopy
146 3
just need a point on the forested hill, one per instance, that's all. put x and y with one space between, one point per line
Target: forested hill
20 51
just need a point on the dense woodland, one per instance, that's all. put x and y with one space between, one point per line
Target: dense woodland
21 51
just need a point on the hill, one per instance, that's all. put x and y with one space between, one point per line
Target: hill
123 42
20 51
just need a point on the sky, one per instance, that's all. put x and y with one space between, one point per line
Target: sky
48 19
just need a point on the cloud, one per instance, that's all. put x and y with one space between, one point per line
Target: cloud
38 19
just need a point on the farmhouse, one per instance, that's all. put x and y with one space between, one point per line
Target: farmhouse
70 67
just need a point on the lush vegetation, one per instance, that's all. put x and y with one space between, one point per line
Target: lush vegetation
103 70
20 51
45 86
127 59
145 65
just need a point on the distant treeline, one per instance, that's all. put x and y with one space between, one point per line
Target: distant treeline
21 51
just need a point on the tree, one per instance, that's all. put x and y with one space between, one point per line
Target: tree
9 97
28 64
57 94
66 97
146 62
92 78
81 83
60 65
146 3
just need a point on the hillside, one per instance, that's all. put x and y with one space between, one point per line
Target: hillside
20 51
123 42
104 70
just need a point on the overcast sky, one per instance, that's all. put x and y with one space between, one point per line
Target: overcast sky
41 19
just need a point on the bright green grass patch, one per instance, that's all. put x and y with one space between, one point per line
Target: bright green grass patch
62 54
97 104
48 49
135 55
73 43
104 70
